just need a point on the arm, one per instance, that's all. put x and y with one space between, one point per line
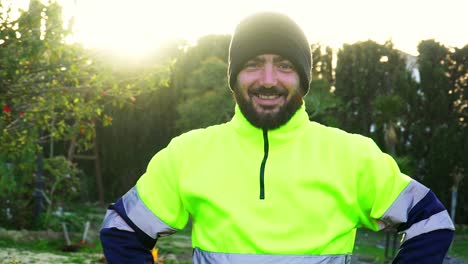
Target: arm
425 223
394 199
149 210
130 231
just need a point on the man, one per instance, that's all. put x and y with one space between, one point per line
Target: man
270 186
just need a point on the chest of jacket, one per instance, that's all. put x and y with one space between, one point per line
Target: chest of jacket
303 187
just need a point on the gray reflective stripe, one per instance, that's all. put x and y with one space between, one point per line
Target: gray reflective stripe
438 221
204 257
113 220
408 198
142 217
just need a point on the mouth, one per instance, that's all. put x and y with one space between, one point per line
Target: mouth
267 96
268 100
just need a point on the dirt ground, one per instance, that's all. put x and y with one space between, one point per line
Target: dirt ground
18 256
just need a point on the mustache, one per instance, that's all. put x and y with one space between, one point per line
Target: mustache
267 91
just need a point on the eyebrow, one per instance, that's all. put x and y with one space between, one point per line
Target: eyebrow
262 59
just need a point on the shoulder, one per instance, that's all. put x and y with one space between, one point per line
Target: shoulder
337 135
194 142
201 135
340 143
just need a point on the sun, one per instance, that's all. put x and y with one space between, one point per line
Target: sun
135 28
130 28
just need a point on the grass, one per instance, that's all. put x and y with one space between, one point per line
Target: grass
85 254
460 245
370 246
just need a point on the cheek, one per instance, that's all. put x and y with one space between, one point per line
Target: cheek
247 78
289 80
240 92
293 83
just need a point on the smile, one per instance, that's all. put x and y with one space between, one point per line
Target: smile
268 100
267 96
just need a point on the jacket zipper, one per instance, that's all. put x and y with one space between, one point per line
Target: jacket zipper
262 166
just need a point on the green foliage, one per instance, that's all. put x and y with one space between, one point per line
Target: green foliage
439 137
406 165
457 71
322 63
191 80
17 173
50 92
61 185
188 62
388 107
321 103
48 84
207 99
365 71
435 86
141 126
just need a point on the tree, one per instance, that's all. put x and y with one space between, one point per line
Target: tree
210 53
208 100
141 128
321 103
458 72
50 91
439 137
186 63
374 85
50 87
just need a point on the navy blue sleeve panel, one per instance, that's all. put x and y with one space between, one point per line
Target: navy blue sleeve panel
428 232
424 209
124 247
428 248
145 240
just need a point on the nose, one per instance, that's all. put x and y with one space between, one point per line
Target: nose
269 78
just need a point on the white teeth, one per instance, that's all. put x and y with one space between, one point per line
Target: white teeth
267 97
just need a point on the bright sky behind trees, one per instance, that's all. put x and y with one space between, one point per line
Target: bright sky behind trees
135 27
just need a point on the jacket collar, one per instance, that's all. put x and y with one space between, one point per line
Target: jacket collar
277 136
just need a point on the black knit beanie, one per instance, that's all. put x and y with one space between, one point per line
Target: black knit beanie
269 33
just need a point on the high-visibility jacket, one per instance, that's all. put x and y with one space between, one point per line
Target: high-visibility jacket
295 194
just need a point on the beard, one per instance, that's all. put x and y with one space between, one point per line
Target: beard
269 120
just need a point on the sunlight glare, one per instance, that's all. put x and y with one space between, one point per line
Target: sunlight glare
136 27
129 27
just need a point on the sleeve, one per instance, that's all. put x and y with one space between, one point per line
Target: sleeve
424 222
394 199
149 210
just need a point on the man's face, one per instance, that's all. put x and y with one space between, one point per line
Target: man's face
268 91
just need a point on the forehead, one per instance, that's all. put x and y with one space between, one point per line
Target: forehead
267 57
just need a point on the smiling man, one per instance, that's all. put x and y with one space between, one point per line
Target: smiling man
267 91
270 186
269 69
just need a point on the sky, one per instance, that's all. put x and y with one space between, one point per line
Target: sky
134 27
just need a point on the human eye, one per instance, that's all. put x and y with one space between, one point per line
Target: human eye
252 65
286 66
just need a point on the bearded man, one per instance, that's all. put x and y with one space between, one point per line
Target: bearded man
270 186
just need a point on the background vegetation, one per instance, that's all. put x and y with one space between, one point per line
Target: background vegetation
79 126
